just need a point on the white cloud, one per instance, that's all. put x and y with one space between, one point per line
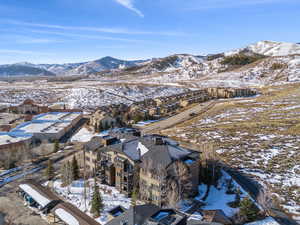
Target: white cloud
21 52
94 29
26 39
129 5
37 41
85 36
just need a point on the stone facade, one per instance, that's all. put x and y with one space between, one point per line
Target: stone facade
28 107
103 118
148 164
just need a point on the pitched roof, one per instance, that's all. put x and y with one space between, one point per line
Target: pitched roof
216 216
164 155
197 222
28 102
93 144
160 156
71 215
146 147
135 215
42 195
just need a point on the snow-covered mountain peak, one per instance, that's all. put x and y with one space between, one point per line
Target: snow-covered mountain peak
272 48
269 48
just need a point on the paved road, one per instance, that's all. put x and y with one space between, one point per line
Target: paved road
34 168
248 184
179 118
186 115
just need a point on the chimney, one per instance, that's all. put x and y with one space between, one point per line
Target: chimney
159 141
123 222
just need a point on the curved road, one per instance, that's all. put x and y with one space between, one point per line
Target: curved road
178 118
251 186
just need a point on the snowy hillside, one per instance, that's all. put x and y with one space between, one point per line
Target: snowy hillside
250 65
270 48
167 64
229 69
268 71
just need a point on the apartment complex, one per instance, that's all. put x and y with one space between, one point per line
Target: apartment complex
150 165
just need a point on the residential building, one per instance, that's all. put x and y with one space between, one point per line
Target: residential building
10 120
152 163
103 119
28 107
169 173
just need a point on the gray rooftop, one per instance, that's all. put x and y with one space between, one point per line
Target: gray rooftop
135 215
146 147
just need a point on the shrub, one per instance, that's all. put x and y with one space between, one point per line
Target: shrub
240 59
278 66
215 56
248 210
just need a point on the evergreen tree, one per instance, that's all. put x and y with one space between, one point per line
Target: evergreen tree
96 127
63 174
75 169
238 196
127 117
230 187
49 172
133 197
106 125
70 174
248 210
56 146
100 127
97 204
137 118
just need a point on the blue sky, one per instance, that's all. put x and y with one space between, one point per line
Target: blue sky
60 31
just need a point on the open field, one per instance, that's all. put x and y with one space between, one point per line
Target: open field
260 136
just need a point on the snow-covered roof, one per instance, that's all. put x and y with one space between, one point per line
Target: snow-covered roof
72 215
52 122
66 217
7 138
266 221
54 116
39 198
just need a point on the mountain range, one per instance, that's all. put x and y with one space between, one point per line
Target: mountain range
259 64
182 63
84 68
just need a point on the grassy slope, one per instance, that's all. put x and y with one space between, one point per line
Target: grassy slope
260 136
